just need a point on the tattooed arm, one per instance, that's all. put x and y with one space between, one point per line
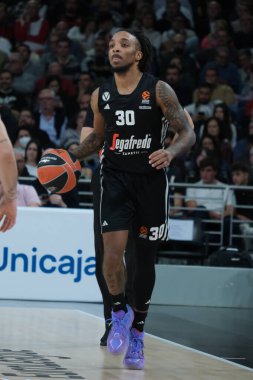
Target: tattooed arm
8 180
178 120
94 138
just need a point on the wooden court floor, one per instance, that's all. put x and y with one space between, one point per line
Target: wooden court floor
46 343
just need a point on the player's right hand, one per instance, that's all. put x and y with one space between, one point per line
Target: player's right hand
8 213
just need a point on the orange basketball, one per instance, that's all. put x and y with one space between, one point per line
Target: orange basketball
58 171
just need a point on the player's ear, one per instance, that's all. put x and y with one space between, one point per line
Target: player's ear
139 55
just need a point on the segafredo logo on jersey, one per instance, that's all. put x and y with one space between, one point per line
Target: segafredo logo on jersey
106 96
73 264
130 146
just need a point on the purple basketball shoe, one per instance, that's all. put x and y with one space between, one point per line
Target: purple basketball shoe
118 339
134 358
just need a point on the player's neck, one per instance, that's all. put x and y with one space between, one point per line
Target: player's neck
127 82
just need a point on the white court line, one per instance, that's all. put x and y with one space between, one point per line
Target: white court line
182 346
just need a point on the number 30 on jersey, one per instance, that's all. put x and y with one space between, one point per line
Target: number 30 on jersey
125 117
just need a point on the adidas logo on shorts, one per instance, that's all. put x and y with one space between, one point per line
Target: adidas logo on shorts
104 223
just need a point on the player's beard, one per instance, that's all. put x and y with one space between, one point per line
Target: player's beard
121 69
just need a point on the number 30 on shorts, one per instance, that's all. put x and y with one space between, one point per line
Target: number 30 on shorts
156 232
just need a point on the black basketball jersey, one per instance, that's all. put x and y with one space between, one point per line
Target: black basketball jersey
135 125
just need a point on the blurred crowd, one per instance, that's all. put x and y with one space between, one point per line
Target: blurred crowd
53 54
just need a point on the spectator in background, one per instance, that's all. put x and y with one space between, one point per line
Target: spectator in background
69 63
85 83
220 92
31 28
62 99
212 39
9 121
244 37
166 15
83 33
240 173
245 65
148 27
177 46
228 129
67 84
213 127
60 30
83 101
202 108
30 59
188 79
6 24
52 200
33 153
70 11
243 12
228 72
210 12
209 201
26 118
105 22
50 50
23 82
244 145
50 119
27 196
179 25
208 147
173 76
223 39
75 126
22 138
20 160
96 61
8 96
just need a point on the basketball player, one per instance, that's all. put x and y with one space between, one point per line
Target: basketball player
98 241
132 111
8 181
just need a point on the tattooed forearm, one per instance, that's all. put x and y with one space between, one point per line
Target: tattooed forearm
89 146
170 106
176 118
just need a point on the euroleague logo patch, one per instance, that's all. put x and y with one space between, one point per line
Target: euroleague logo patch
145 95
145 102
143 232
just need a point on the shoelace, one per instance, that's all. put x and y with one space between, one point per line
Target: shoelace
115 322
136 345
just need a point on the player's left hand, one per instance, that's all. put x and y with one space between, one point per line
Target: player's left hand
160 158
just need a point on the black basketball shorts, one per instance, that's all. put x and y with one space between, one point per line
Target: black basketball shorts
139 201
